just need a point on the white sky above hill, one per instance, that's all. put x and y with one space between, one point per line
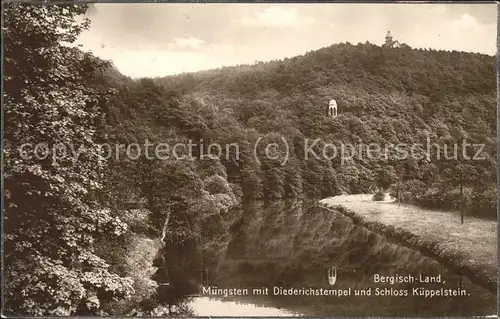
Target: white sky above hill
158 39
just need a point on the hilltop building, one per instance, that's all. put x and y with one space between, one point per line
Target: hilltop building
389 42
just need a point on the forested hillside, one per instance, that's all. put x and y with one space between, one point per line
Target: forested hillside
385 95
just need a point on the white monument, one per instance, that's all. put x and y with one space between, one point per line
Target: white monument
332 275
332 108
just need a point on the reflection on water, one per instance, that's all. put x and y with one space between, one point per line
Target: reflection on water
205 306
293 244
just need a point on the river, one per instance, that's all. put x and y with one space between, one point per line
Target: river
292 244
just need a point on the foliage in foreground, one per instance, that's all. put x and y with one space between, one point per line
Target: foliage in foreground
52 213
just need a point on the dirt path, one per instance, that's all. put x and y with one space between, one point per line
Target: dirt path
475 240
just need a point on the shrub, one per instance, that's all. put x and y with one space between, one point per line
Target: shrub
216 184
378 196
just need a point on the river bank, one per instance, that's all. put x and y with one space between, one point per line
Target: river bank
469 248
293 243
290 244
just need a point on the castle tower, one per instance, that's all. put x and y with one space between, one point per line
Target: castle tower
390 42
388 39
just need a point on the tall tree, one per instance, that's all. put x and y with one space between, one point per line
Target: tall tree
459 167
52 215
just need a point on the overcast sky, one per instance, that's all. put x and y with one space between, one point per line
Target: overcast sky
161 39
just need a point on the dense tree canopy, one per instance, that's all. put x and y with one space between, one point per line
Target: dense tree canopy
386 96
52 214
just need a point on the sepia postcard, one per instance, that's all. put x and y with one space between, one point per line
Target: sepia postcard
199 159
